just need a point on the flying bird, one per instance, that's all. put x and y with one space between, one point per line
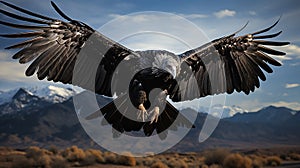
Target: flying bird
68 51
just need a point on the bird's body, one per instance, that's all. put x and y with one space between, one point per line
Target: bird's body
72 52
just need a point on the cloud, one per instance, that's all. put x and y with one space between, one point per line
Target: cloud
292 49
12 74
292 85
134 18
154 30
224 13
281 58
11 70
255 104
194 16
5 55
295 64
253 13
292 52
291 105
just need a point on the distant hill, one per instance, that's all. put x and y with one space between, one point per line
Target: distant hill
269 127
28 119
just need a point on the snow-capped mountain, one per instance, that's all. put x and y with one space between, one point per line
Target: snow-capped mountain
53 94
6 97
22 100
230 111
217 110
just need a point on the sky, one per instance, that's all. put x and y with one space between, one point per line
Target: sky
213 18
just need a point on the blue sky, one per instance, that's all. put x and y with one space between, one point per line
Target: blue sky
215 18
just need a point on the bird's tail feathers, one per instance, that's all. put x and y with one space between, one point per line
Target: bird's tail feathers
169 119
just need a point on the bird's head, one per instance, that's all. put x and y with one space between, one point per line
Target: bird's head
167 62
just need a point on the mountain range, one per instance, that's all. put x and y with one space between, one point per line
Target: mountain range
54 94
49 93
46 117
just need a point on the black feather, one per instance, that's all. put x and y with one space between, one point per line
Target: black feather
22 35
233 34
262 64
47 59
12 15
270 51
273 43
256 66
267 36
60 12
32 52
267 29
26 11
23 26
23 44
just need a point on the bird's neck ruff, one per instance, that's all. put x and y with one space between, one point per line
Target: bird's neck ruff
160 59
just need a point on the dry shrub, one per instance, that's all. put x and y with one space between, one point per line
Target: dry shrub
12 156
294 156
178 163
58 161
23 162
159 164
93 156
236 160
203 166
34 152
40 156
4 149
53 149
148 161
258 161
216 156
74 154
126 160
43 161
165 159
215 166
273 161
110 157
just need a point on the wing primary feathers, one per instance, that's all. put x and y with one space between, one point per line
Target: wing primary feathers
267 29
30 53
267 36
23 44
46 61
264 66
41 62
22 26
60 12
257 62
233 34
12 15
270 51
22 35
273 43
26 11
268 59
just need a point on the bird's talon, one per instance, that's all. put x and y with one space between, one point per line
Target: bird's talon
142 113
155 115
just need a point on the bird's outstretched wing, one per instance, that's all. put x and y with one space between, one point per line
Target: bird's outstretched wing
226 65
58 49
